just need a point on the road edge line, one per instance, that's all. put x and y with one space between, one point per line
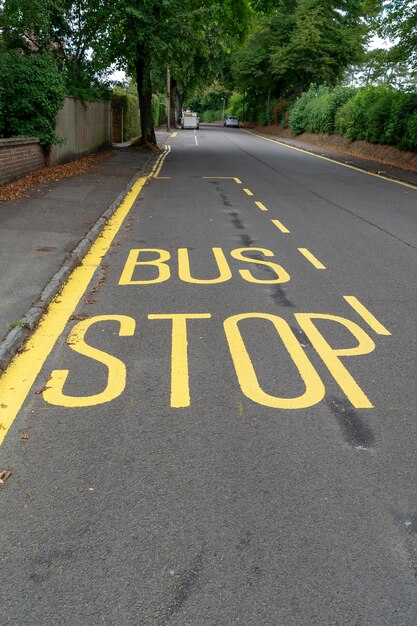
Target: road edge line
17 381
356 168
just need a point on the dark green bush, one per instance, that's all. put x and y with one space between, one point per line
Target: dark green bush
211 115
409 140
331 104
131 119
379 115
315 110
31 94
297 117
158 110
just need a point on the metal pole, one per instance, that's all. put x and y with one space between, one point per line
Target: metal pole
168 98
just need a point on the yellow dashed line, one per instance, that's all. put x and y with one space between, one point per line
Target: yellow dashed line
280 226
313 260
261 206
248 191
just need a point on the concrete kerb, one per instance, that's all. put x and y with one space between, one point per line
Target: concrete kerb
15 338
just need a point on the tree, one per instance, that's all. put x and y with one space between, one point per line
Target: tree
398 21
325 38
65 29
144 37
299 42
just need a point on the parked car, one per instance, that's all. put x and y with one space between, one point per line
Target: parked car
232 121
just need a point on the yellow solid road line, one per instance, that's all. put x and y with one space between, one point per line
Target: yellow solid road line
319 156
161 160
261 206
22 372
367 316
313 260
248 191
280 226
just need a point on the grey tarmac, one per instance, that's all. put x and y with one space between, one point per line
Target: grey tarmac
257 465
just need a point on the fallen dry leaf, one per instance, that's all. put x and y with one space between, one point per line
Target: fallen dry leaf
25 436
40 391
16 188
4 475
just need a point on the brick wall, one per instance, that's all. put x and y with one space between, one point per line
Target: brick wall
18 156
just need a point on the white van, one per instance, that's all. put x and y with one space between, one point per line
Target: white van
189 120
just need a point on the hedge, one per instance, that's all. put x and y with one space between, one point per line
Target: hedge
378 114
131 119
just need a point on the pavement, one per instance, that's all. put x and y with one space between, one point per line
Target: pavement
45 234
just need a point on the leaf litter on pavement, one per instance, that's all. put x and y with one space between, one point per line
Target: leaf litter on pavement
22 186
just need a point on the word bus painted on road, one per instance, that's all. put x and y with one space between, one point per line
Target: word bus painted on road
136 270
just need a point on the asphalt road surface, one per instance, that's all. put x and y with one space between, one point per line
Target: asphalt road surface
219 412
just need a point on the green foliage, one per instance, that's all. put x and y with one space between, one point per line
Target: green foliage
379 115
409 140
211 115
236 105
398 21
31 94
19 324
122 99
297 43
317 111
297 119
158 110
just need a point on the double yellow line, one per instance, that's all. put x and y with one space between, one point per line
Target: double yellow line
16 382
159 163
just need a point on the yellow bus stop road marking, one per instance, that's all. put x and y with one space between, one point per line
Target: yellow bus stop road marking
22 372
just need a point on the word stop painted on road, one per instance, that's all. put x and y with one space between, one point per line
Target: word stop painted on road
243 365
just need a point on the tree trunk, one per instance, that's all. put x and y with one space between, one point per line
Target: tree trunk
173 111
178 102
144 85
